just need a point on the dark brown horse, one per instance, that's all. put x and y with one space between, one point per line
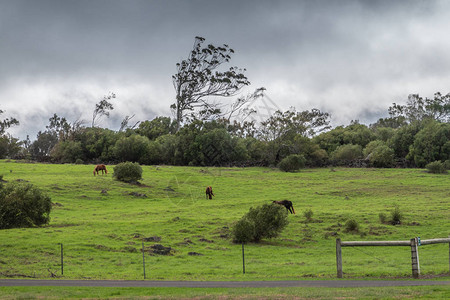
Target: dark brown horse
287 204
209 192
100 168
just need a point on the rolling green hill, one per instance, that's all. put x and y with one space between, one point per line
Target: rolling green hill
103 223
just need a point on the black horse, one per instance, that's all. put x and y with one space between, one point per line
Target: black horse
287 204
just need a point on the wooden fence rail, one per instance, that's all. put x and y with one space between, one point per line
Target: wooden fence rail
413 243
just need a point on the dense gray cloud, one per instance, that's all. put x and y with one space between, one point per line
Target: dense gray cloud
349 58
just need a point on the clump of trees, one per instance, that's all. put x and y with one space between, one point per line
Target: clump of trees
222 142
23 205
203 131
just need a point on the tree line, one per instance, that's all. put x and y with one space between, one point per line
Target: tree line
399 140
206 132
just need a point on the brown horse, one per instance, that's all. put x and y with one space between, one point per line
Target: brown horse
100 168
209 192
287 204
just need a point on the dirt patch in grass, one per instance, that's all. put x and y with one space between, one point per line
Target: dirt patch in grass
152 239
159 249
379 230
205 240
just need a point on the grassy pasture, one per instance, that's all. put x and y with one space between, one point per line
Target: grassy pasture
102 232
411 292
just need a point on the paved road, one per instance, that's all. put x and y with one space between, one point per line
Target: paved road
221 284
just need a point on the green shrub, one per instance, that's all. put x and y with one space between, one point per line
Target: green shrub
372 146
347 152
382 157
67 151
351 226
436 167
243 231
23 205
292 163
134 148
266 221
308 214
383 218
447 164
379 154
79 161
396 216
128 172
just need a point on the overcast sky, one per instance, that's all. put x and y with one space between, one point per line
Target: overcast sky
352 59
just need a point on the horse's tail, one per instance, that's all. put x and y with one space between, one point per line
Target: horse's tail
106 171
94 172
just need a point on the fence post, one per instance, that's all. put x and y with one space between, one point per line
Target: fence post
243 259
143 257
62 260
415 258
339 258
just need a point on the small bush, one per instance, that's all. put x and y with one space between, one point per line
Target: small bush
292 163
396 216
128 172
23 205
436 167
351 226
266 221
383 218
308 214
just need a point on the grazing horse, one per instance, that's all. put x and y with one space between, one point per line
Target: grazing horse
100 168
287 204
209 192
